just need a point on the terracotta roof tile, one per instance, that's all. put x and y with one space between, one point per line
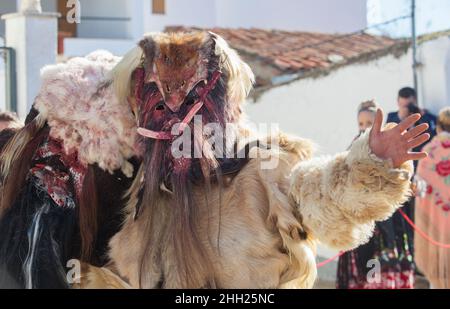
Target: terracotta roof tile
293 52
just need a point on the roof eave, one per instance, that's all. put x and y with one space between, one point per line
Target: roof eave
398 49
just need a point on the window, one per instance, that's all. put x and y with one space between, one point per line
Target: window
159 6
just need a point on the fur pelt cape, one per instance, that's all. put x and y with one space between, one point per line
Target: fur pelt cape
258 227
76 150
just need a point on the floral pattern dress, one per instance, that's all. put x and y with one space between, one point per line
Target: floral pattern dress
385 262
433 212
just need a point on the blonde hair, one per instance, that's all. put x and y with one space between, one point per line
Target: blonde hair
241 77
122 73
368 106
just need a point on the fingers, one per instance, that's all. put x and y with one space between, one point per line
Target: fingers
416 131
378 121
414 156
408 122
418 141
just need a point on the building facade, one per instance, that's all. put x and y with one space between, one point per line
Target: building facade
323 107
117 24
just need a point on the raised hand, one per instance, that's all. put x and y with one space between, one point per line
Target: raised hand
396 143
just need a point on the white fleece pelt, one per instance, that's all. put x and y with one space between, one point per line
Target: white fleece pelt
82 110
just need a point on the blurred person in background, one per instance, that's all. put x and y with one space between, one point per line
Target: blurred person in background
388 245
433 206
407 105
9 120
9 124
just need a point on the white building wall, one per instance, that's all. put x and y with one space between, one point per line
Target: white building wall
329 16
36 33
324 109
74 47
97 31
97 19
199 13
137 18
300 15
434 74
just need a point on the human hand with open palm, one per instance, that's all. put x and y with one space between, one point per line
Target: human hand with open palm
396 143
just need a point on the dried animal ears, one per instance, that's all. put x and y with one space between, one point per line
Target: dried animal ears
148 46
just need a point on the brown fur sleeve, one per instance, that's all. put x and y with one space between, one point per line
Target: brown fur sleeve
341 197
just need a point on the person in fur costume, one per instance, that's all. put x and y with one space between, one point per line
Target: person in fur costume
100 180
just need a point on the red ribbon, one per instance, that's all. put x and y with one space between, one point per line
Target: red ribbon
410 222
321 264
422 233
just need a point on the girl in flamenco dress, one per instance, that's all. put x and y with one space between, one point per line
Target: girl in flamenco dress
389 245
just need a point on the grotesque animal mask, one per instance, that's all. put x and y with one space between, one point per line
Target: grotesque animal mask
176 64
188 69
171 78
169 72
167 80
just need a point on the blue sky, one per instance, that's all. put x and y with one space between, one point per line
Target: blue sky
432 15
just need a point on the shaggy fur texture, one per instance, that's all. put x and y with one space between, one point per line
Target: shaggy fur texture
86 114
78 107
272 222
256 228
175 70
261 241
341 197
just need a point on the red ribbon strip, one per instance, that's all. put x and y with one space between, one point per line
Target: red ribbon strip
321 264
410 222
422 233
